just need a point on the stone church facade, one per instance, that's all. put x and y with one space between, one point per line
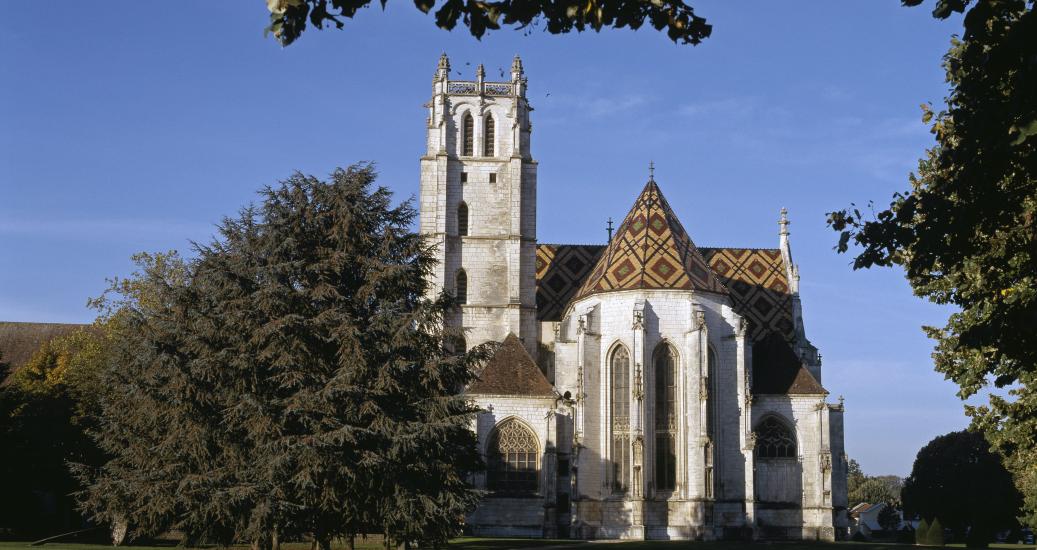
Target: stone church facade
645 388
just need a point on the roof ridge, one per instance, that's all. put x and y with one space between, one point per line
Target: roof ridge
511 371
651 249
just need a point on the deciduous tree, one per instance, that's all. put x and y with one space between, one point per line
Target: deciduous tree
966 230
957 479
289 18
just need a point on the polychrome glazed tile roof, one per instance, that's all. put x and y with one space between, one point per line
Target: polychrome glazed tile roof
650 250
759 286
561 269
652 239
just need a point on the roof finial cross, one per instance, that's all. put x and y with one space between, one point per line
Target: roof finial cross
651 170
609 228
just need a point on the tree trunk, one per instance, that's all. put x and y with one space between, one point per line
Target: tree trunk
275 540
119 529
351 542
325 543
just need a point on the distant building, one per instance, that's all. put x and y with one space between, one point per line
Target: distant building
646 388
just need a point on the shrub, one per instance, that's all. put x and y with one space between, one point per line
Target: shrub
922 533
935 536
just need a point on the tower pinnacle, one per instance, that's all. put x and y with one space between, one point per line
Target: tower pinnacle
443 68
516 68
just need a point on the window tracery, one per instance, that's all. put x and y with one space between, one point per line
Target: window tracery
665 418
774 439
620 373
513 459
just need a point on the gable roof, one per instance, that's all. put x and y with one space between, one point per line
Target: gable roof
758 282
777 370
511 371
651 250
19 341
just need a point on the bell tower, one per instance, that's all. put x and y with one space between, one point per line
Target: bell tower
478 202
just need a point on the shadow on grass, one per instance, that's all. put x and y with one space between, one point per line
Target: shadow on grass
517 544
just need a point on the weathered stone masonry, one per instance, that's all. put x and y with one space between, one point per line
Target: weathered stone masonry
646 388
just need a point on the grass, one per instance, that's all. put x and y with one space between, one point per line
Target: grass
504 544
467 543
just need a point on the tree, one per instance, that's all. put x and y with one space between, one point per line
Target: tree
966 230
922 533
935 535
889 519
289 18
854 476
955 477
301 379
44 415
871 489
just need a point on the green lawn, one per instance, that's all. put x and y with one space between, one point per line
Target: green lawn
504 544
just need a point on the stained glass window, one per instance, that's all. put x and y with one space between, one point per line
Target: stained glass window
774 439
620 420
665 418
513 459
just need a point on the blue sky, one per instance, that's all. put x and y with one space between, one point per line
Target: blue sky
135 126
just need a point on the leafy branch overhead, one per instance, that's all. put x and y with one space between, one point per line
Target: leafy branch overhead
289 18
966 230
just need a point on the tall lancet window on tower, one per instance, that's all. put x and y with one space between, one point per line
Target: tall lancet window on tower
665 418
462 219
468 135
489 127
620 420
461 287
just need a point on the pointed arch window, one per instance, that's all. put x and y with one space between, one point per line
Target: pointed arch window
462 219
665 372
461 287
468 135
774 439
620 398
489 130
711 423
512 459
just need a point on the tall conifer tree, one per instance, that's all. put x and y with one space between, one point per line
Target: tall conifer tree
296 382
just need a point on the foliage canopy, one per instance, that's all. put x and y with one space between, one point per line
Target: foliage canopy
966 231
289 18
290 380
956 478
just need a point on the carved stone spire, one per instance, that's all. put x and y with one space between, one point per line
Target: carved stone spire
443 69
516 68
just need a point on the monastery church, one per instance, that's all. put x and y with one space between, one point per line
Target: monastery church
644 389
